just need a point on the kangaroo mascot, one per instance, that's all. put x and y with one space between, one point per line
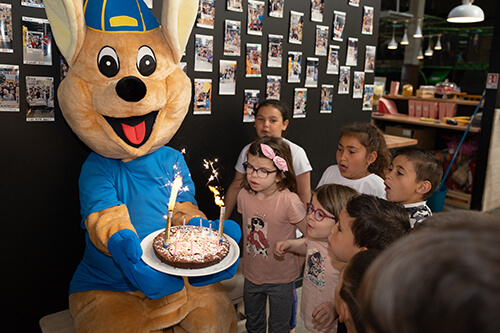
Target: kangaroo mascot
125 97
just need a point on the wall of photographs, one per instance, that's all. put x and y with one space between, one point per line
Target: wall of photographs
320 62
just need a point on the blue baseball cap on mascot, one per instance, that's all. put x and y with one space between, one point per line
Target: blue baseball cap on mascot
116 16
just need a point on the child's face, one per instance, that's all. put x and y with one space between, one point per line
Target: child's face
401 184
269 122
266 185
352 158
319 230
341 240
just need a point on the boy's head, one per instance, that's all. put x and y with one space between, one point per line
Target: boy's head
413 175
367 222
453 263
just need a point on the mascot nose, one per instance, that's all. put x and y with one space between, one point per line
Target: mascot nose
131 89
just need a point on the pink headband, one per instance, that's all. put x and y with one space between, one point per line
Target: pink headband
278 161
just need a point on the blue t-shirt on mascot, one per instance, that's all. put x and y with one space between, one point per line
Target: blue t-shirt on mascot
143 185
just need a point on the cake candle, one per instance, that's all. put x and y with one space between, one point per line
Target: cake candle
222 216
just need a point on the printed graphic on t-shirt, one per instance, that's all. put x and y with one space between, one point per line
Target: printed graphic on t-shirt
315 268
257 243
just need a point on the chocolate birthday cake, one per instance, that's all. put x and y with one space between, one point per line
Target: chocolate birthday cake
191 247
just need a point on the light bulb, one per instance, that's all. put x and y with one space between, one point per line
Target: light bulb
420 54
405 40
438 44
418 31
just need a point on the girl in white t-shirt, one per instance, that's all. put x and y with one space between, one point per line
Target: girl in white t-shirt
362 160
271 211
320 278
271 119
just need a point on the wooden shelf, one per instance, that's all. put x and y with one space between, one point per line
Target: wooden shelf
438 100
394 141
405 119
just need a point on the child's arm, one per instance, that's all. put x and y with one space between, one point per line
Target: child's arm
232 193
304 187
302 226
324 315
298 246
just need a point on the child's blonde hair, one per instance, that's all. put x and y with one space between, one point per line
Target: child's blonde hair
334 197
287 178
373 140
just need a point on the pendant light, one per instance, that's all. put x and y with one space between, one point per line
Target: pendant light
393 44
466 13
420 55
438 46
418 31
429 52
405 40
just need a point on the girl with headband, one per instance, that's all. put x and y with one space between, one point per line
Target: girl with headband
272 211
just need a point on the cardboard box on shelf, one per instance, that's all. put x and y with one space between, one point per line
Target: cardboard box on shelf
426 136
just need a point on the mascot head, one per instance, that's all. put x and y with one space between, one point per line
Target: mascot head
124 95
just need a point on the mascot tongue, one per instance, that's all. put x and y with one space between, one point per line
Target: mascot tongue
135 134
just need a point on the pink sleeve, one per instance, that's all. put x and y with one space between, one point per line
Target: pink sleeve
296 209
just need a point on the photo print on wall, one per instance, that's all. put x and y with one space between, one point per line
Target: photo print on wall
254 60
321 40
202 96
227 77
250 105
299 102
352 52
338 25
203 53
6 37
333 64
255 17
40 98
33 3
9 93
358 83
206 14
296 27
344 80
232 38
276 8
317 8
326 98
312 68
273 87
368 98
354 3
275 51
234 5
37 41
370 58
294 66
367 28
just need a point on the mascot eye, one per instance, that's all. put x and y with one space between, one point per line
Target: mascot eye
108 62
146 61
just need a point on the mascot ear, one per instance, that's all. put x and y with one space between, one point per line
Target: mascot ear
177 19
67 22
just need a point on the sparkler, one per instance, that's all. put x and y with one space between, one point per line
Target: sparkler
177 184
219 202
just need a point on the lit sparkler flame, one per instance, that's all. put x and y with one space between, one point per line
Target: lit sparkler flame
209 165
177 184
218 200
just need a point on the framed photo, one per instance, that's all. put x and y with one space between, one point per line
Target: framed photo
206 14
273 87
332 67
344 79
294 66
367 28
358 85
255 17
254 60
234 5
202 96
321 40
326 98
296 27
9 85
227 77
6 37
368 98
203 53
317 8
299 103
40 98
37 41
354 3
352 52
312 73
338 25
250 105
232 38
276 8
33 3
275 51
370 58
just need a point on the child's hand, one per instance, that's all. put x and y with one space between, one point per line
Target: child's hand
281 247
324 315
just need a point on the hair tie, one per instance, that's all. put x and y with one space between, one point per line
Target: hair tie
278 161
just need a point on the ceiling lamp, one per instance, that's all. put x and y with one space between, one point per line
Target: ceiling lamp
429 52
466 13
418 31
392 44
405 40
438 46
420 54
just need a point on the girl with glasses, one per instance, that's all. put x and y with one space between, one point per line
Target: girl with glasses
317 307
272 211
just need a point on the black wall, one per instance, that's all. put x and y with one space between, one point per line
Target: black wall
42 241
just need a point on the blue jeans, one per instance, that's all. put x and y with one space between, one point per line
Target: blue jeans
280 306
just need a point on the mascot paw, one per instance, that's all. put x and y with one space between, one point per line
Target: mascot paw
126 250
